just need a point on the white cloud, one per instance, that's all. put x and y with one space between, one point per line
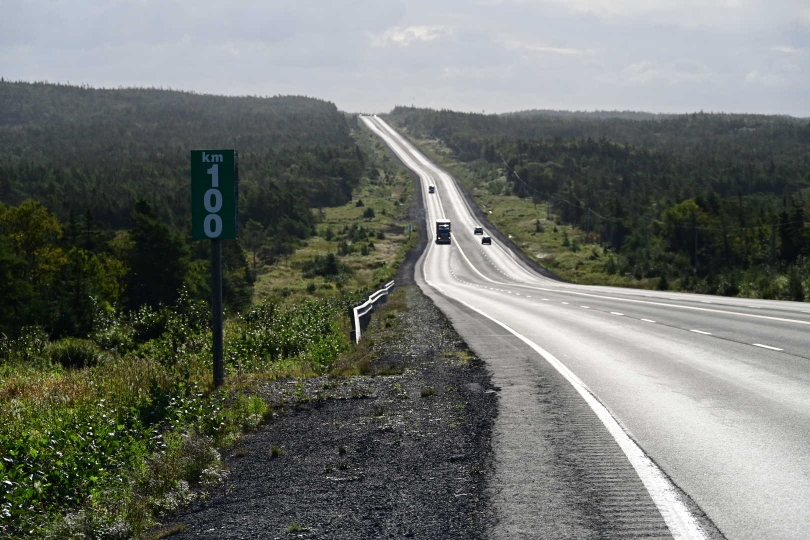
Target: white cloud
408 35
647 72
535 47
788 50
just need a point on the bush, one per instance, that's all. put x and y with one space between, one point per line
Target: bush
74 353
369 213
324 266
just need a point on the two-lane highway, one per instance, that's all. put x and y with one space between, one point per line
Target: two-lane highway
711 395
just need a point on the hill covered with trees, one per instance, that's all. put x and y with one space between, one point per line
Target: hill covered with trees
95 193
701 201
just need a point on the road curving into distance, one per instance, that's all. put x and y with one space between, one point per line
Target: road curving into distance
625 413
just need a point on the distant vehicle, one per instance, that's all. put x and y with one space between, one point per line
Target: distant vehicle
486 240
431 189
478 230
442 231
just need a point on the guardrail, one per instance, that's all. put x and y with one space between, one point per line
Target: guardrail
360 314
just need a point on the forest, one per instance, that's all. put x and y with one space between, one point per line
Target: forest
702 202
95 194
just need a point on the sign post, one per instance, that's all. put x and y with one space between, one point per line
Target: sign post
214 196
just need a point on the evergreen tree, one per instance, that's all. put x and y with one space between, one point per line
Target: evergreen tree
158 260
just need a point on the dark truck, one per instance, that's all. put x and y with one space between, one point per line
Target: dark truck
442 231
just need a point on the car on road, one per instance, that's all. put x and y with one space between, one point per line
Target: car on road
486 240
478 230
431 189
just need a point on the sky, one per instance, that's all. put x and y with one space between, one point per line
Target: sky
469 55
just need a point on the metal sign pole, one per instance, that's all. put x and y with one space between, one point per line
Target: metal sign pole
216 307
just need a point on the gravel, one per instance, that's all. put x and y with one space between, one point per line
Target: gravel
399 456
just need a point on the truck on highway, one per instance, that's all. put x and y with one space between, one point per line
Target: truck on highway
442 231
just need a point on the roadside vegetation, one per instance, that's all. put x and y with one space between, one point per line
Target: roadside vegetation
108 419
706 203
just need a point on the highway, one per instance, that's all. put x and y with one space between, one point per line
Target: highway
623 412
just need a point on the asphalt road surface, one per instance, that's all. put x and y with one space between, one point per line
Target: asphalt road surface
623 412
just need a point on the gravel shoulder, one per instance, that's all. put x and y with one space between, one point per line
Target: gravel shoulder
404 455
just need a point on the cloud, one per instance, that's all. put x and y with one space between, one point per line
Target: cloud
534 47
646 72
368 55
408 35
787 50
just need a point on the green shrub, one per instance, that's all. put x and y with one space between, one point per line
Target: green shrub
327 266
74 353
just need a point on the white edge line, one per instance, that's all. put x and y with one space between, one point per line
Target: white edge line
767 347
681 523
648 320
701 332
617 313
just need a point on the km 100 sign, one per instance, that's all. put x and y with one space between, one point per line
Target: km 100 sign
213 194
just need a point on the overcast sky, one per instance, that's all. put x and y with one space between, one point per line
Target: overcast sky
479 55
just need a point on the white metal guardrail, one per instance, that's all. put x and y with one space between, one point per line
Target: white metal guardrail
360 314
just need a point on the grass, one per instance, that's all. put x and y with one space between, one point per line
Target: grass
376 244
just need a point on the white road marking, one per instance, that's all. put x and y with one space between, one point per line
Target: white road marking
767 347
584 307
664 304
648 320
701 332
617 313
705 302
546 299
681 523
566 303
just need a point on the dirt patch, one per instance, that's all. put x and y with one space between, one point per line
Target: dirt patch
396 456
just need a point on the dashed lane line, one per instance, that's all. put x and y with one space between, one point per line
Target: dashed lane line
767 347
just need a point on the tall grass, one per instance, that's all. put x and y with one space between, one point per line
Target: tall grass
100 437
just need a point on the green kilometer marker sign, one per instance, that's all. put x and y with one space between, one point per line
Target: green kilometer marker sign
213 194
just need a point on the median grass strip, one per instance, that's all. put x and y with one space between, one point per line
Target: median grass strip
569 252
